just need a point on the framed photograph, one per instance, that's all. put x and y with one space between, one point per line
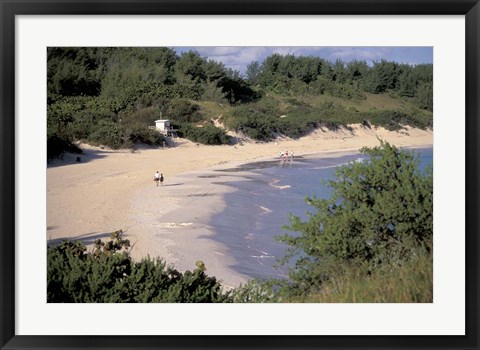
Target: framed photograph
128 129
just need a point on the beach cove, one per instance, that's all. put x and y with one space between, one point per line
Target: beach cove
114 190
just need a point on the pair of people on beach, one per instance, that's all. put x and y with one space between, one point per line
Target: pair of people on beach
158 178
285 155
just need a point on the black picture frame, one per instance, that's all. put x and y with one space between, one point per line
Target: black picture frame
11 8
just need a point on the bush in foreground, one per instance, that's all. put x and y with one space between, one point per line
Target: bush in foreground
412 282
107 274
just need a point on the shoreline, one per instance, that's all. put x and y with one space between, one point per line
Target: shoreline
112 190
180 233
185 224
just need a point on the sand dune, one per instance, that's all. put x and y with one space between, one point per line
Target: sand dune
111 190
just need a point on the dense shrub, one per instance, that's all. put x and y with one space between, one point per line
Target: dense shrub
253 123
140 134
295 127
108 133
395 119
144 116
182 110
206 134
60 117
107 274
85 123
302 120
323 85
257 291
267 105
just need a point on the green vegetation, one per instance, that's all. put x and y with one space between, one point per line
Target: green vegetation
372 241
378 220
110 96
107 274
206 134
410 282
303 93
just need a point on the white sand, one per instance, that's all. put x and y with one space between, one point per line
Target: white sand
112 190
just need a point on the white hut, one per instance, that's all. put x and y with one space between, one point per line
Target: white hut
163 126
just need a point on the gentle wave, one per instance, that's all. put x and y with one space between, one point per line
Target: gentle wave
357 160
324 167
272 184
265 209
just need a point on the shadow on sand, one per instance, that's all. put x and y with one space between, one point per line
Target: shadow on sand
86 156
86 239
169 185
89 154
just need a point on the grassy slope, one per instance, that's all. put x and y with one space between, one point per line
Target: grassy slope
381 102
372 101
411 283
342 107
212 109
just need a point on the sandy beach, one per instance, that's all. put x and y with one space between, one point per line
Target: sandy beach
114 190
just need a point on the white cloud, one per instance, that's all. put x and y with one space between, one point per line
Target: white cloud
236 58
360 54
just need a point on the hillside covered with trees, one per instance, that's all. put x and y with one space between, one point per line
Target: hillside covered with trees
110 96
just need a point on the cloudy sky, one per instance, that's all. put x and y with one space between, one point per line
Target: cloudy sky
238 58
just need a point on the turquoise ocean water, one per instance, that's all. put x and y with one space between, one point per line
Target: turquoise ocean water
258 208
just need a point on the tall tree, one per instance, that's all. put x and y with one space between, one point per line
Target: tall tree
424 95
384 76
253 72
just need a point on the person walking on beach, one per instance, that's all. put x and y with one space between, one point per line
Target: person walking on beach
156 177
161 179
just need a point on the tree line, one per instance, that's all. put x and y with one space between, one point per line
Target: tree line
309 74
110 96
